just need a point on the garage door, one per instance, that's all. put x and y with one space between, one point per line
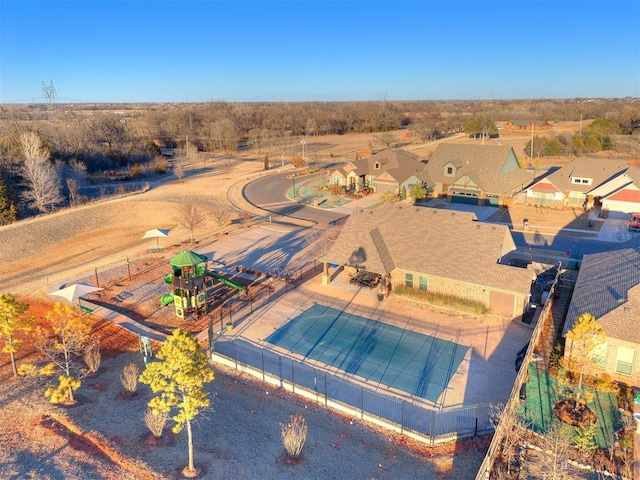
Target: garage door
465 198
501 303
385 187
492 201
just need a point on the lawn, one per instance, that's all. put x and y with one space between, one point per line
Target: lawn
543 392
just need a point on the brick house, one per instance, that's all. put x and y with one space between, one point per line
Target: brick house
608 287
389 170
436 250
486 175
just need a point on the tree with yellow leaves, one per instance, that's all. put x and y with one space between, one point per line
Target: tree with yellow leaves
586 336
12 320
179 375
64 347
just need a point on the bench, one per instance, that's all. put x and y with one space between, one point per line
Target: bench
157 248
84 309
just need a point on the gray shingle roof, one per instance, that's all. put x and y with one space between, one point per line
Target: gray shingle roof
437 242
604 288
484 164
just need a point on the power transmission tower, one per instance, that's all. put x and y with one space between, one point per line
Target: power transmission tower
49 94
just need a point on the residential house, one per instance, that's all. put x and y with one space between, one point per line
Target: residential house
611 185
436 250
608 287
386 171
476 174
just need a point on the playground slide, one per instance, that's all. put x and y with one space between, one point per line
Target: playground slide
168 278
226 281
166 299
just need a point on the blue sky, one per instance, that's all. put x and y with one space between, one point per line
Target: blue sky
197 51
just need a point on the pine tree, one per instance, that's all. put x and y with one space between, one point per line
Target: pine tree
8 212
179 377
12 320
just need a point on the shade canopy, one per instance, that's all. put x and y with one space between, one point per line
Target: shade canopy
187 258
156 233
75 291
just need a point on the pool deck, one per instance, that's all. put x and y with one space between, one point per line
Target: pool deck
486 374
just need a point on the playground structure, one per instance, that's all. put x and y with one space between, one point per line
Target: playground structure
189 279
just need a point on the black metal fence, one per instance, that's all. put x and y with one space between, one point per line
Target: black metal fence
328 388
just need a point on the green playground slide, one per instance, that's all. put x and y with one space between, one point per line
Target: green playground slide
226 281
168 278
166 299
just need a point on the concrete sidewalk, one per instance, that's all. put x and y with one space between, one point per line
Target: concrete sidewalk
124 321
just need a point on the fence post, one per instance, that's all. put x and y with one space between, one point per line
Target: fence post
326 394
432 426
262 359
235 353
293 379
475 432
280 370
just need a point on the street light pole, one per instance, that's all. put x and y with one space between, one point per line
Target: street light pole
293 178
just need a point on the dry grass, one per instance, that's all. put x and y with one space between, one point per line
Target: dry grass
129 377
294 434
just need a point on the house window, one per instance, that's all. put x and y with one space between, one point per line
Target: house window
581 181
449 171
423 283
376 166
624 360
599 355
408 279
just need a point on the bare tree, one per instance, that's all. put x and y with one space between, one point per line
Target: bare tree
220 212
73 186
513 430
387 139
44 184
190 213
551 460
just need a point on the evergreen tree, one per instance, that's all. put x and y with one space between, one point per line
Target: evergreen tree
179 377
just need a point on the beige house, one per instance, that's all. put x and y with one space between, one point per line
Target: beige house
436 250
487 175
608 287
386 171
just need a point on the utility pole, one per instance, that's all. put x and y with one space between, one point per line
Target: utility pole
532 127
49 94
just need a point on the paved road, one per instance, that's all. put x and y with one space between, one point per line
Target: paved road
269 193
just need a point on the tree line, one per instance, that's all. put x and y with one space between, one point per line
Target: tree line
47 160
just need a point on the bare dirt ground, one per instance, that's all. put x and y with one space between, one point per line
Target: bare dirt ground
104 437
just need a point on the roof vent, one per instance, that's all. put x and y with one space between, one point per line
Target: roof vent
627 309
478 226
370 212
400 207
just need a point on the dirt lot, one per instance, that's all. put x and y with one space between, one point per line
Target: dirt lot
104 437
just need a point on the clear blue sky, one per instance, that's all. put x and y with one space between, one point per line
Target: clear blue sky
197 51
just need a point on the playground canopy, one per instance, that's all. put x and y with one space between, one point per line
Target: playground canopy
156 233
187 258
74 292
